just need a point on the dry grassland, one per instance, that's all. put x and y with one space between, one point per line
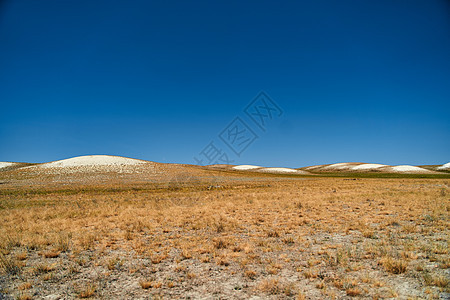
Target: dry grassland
311 238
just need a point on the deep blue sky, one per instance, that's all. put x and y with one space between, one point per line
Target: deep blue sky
357 80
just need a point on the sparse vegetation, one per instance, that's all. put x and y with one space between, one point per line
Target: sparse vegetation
285 238
145 284
9 265
87 291
51 254
394 266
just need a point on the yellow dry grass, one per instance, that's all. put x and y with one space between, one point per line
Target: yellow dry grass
322 229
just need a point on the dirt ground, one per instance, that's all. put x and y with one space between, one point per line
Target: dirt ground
263 238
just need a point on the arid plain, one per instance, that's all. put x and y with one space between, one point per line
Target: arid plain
167 231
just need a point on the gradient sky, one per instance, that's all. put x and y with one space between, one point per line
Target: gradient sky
362 81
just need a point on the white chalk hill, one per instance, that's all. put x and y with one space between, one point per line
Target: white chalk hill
444 167
4 164
368 167
89 163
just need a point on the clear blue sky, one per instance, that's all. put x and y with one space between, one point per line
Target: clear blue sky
357 80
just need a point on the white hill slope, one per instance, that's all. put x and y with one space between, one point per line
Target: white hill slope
246 167
408 169
339 166
91 163
92 160
365 167
444 167
368 166
6 164
281 170
268 170
118 164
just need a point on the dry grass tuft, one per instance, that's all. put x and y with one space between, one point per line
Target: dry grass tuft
394 266
270 286
9 265
51 254
64 242
114 263
310 273
43 268
301 296
22 256
273 233
436 280
25 286
221 244
146 284
250 274
353 292
25 297
87 292
156 259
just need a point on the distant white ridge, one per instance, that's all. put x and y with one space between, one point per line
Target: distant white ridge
5 164
445 166
368 166
407 168
279 170
246 167
338 166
